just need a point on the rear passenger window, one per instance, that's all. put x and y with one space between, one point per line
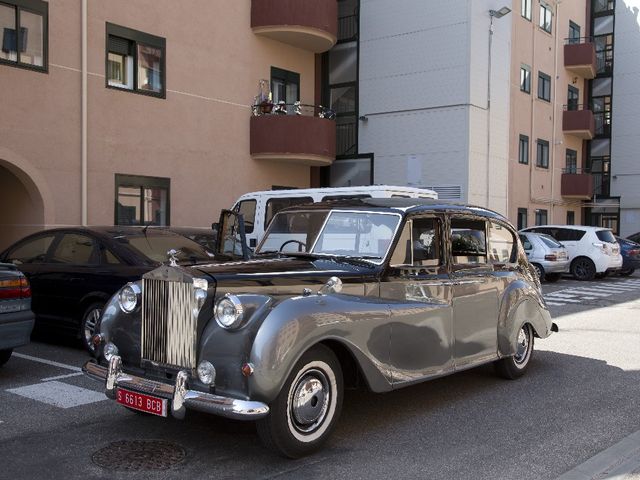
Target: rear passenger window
568 234
274 205
468 241
74 249
501 243
31 251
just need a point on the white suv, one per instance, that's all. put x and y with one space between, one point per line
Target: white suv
593 251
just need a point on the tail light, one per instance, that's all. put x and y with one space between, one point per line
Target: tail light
552 257
14 289
633 253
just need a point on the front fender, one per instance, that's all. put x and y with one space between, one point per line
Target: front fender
521 303
296 324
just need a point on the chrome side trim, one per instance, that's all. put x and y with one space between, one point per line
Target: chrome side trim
180 396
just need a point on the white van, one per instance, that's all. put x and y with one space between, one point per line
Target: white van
258 208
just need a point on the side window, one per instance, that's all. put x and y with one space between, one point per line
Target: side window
248 210
426 243
501 243
74 249
110 258
526 244
32 251
468 241
274 205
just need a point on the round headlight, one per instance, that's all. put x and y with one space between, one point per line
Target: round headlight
229 312
128 298
206 372
109 351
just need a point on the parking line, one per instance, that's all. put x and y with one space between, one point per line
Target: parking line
59 377
47 362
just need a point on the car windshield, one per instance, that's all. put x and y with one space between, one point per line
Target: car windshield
155 247
550 242
606 236
365 235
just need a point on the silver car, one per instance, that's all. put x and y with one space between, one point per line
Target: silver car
377 292
548 257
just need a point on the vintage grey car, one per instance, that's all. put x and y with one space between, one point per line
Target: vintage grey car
381 292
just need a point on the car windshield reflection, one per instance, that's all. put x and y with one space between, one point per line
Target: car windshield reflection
362 235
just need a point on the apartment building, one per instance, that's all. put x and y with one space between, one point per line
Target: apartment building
141 112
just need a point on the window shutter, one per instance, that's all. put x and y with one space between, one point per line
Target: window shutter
119 45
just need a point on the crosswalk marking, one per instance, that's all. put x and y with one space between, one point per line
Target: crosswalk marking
59 394
591 291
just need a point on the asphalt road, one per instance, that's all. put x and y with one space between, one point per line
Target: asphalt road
579 398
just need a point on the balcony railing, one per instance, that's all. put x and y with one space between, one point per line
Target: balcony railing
578 120
576 183
580 56
297 133
311 25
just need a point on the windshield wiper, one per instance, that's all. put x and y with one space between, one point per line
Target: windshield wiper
361 260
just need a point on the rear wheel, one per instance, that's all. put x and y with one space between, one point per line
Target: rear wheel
5 355
552 277
88 325
516 365
305 411
582 268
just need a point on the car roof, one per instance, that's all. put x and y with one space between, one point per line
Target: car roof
586 228
399 205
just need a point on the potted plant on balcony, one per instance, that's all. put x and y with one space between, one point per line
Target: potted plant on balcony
262 103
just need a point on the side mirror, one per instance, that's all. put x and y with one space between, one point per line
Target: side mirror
231 238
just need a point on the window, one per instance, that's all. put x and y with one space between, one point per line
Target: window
522 218
523 150
31 251
526 244
142 200
74 249
574 33
573 98
525 9
24 30
542 156
468 241
285 87
274 205
600 6
425 241
571 217
248 210
571 162
135 61
544 86
501 244
541 217
525 78
545 17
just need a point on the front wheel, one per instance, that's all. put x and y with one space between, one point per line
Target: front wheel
88 325
5 355
307 408
516 365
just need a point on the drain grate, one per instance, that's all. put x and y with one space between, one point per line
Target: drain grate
134 455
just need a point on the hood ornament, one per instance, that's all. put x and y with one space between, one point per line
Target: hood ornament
173 257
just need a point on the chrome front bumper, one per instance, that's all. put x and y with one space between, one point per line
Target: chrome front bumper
179 396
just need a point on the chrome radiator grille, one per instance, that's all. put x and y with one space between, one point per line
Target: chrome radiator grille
168 323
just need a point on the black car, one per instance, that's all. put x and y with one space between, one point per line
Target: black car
74 271
207 237
16 317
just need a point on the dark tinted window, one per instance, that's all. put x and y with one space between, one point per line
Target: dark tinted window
31 251
74 249
567 234
155 247
606 236
274 205
468 241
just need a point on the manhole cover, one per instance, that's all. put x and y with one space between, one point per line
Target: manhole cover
134 455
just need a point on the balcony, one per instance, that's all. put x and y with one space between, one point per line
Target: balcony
577 184
578 121
301 134
580 57
308 24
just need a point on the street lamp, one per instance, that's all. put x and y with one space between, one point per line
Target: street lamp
492 14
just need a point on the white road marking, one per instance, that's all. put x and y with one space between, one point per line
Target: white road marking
59 394
565 298
590 291
555 304
47 362
59 377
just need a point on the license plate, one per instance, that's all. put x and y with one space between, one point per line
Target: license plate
142 402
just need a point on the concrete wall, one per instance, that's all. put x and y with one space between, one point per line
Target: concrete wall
625 159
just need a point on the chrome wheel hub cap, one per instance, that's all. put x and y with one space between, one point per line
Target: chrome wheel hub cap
522 346
90 326
310 401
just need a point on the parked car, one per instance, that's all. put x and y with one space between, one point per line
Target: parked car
207 237
634 238
630 256
593 250
16 317
258 208
370 290
74 271
548 256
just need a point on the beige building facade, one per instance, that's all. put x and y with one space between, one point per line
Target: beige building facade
549 126
141 112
